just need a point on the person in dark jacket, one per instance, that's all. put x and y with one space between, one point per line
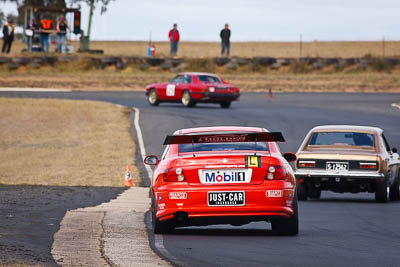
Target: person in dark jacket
61 28
225 42
173 37
8 37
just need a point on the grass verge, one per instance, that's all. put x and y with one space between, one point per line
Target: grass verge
64 143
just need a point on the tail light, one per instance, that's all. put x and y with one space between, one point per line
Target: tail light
368 165
275 172
306 163
174 175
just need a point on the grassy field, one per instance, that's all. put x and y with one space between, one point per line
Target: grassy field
64 143
128 80
245 49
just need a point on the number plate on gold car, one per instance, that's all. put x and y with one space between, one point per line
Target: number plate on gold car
337 166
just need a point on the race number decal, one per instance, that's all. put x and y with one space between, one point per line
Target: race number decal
171 90
252 161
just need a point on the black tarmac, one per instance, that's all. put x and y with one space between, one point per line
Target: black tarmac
338 230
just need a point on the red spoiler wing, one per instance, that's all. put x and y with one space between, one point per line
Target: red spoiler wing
224 138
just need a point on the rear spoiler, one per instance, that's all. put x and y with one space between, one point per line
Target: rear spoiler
224 138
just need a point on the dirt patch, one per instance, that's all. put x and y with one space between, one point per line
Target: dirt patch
64 143
56 155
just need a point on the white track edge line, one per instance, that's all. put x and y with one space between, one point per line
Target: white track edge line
39 90
395 105
158 239
141 142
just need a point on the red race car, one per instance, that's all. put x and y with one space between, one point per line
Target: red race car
223 175
191 88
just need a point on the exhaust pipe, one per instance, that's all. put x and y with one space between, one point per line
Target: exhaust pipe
180 216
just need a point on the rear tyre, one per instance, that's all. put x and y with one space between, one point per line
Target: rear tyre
158 226
301 191
153 98
225 104
381 195
187 100
314 193
288 226
394 191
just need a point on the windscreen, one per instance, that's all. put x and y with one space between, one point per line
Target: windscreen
256 146
208 79
341 139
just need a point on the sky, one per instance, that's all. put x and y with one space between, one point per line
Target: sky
249 20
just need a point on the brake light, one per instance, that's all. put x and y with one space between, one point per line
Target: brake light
307 164
174 175
368 165
275 172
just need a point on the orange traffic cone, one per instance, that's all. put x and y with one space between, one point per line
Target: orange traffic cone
128 179
269 93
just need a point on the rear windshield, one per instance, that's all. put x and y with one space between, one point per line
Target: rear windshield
341 139
259 146
208 79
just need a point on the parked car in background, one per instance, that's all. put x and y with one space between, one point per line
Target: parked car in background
345 158
191 88
223 175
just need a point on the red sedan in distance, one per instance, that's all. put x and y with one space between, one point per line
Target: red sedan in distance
191 88
223 175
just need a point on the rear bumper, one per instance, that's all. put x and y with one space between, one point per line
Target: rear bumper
351 174
215 97
195 206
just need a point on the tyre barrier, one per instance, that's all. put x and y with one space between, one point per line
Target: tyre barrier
154 61
51 60
22 60
241 61
4 60
264 61
220 61
298 65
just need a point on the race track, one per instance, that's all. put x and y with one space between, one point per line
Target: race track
338 230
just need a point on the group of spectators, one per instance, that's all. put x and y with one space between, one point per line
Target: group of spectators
44 29
225 35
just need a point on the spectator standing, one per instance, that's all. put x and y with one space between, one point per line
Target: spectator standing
61 28
225 40
173 36
8 36
45 27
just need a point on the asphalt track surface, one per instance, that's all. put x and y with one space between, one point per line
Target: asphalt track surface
338 230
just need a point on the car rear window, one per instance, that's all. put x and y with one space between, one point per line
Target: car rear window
342 138
208 79
233 146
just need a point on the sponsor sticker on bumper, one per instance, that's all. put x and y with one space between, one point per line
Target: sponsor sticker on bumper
274 193
177 195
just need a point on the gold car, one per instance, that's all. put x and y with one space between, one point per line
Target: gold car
343 158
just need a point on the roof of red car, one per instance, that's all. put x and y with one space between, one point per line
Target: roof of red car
198 73
219 129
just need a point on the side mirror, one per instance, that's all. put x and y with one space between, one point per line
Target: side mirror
151 160
394 150
289 156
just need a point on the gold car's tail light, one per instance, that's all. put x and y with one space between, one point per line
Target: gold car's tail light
368 165
307 163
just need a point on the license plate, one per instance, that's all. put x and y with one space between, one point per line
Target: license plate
337 166
228 198
225 176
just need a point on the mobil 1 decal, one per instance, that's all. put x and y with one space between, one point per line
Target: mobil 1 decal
252 161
